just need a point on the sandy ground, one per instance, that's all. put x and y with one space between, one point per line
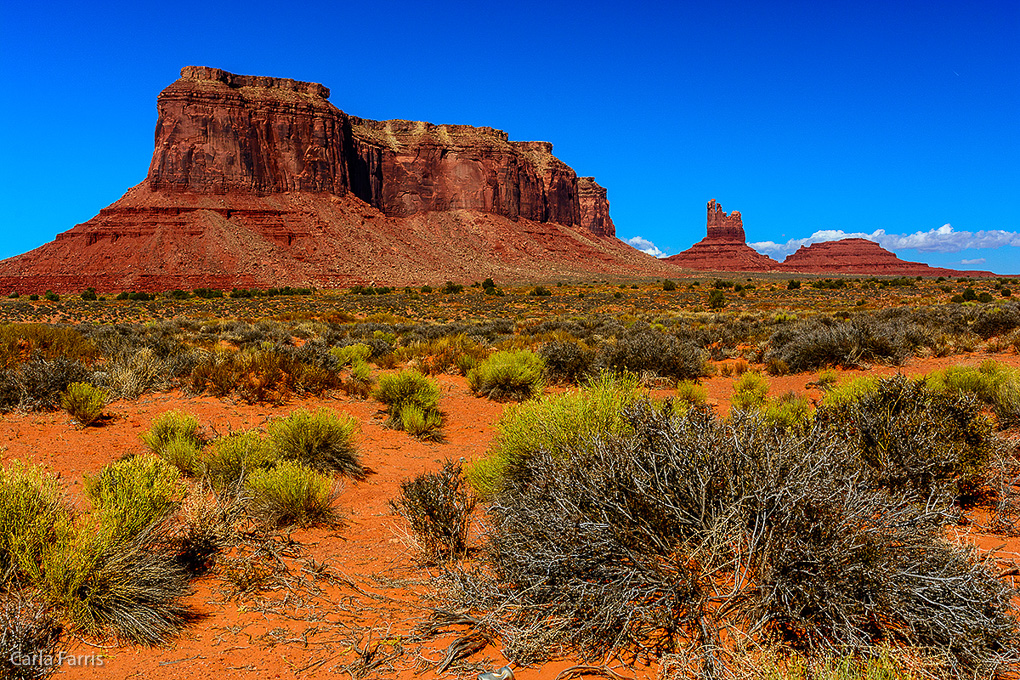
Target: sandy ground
373 594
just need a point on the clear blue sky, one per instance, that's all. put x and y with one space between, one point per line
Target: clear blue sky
891 119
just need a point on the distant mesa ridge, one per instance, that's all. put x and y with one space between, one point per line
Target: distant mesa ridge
724 249
259 181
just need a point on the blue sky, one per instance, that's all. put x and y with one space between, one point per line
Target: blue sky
895 120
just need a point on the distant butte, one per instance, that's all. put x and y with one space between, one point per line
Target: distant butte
724 249
261 182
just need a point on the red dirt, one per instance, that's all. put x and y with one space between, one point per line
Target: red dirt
378 584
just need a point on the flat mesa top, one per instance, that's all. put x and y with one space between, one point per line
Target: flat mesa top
207 73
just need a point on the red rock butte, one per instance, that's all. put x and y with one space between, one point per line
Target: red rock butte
724 249
259 182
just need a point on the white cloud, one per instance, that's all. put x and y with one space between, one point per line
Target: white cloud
941 240
977 260
645 246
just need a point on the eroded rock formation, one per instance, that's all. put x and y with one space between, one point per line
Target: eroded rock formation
860 256
723 248
259 181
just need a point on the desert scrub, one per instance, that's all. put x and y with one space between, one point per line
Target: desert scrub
691 392
567 360
992 383
789 412
750 392
27 627
438 507
442 354
20 342
408 389
230 459
291 494
911 438
32 507
130 495
84 402
552 424
102 586
184 455
509 376
322 440
421 423
351 354
618 543
645 348
168 426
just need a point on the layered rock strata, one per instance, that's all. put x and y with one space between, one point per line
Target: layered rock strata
860 256
259 181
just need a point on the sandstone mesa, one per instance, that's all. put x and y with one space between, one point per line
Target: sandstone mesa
260 182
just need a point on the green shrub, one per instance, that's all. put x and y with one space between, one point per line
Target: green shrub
750 392
540 291
84 402
322 440
438 506
169 426
509 376
21 342
788 412
717 300
351 354
89 294
691 392
421 423
669 285
184 454
32 507
291 494
552 424
130 495
231 459
101 586
397 390
992 383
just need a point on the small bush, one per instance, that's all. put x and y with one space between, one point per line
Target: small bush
552 424
184 455
398 390
322 440
788 412
32 507
421 423
84 402
291 494
750 391
28 632
130 495
351 354
567 361
909 437
101 586
509 376
169 426
43 381
691 392
438 506
669 285
231 459
540 291
717 300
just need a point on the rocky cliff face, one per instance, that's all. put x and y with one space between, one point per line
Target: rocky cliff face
723 248
260 181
